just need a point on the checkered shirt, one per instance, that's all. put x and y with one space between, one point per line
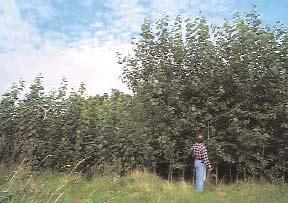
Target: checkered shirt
200 152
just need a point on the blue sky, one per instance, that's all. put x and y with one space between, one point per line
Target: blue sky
77 39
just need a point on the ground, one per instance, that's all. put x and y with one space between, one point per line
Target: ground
22 185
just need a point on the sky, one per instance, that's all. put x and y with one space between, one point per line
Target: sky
78 39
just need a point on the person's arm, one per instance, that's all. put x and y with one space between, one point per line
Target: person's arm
192 150
205 158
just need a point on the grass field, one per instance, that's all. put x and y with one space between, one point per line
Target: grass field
24 186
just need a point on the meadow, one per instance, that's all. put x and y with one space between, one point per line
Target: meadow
22 185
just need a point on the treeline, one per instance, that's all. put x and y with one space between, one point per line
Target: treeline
61 129
229 81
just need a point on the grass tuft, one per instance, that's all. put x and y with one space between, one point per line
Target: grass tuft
25 186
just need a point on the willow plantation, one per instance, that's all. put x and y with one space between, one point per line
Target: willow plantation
186 75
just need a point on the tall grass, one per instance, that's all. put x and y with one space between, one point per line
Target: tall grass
23 185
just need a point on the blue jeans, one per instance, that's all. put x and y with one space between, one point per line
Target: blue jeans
200 174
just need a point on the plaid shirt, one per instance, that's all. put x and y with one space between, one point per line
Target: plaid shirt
200 152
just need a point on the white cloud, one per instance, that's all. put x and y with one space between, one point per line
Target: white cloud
24 53
126 15
14 30
96 66
214 6
171 7
36 9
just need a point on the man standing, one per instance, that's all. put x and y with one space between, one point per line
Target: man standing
201 161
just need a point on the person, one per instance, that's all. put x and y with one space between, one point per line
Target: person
201 162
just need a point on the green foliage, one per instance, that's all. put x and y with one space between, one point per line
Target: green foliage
229 81
186 76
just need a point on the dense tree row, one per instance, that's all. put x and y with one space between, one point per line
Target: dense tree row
229 81
59 130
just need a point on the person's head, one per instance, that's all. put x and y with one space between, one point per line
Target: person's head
200 137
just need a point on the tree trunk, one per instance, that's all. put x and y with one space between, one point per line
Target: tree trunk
170 173
216 180
183 173
283 179
230 173
237 173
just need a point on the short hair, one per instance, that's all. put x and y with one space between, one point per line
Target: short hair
200 137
